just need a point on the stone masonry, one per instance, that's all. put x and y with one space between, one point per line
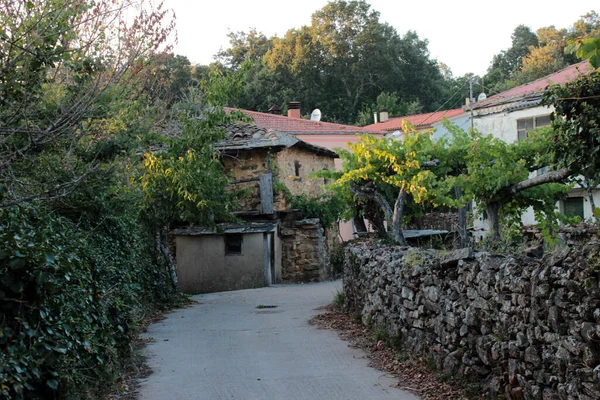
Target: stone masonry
524 328
305 257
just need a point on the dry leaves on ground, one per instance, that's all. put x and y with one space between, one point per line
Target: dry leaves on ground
412 374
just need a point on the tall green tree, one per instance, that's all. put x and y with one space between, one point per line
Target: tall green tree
390 103
535 55
506 63
347 57
77 269
64 65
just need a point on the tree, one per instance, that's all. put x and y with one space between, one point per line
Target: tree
496 175
185 182
535 55
391 103
386 173
576 123
507 62
171 78
541 61
62 63
347 57
244 47
76 267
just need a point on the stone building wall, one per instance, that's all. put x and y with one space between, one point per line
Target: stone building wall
305 257
294 168
249 164
525 328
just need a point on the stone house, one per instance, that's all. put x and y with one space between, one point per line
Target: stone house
323 134
274 244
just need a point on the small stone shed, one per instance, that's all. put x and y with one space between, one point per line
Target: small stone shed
272 244
232 257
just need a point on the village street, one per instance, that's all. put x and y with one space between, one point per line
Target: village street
225 347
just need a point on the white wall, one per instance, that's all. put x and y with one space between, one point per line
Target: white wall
503 125
462 121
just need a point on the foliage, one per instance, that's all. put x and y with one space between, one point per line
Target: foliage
576 124
385 172
535 55
506 63
64 65
327 208
492 173
84 86
336 257
338 300
186 181
392 104
339 63
70 308
491 169
586 49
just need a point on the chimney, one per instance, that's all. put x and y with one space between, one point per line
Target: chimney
275 110
294 109
383 115
375 117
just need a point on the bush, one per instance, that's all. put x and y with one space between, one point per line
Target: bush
71 296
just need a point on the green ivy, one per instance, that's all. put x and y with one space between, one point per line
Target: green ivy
72 295
327 208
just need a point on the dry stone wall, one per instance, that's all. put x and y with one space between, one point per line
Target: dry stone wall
525 328
305 256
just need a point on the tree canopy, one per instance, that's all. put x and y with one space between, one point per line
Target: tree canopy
341 62
537 54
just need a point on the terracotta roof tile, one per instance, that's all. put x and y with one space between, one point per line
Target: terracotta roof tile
420 121
301 126
537 87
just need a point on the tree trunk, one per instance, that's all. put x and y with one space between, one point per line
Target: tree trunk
462 220
590 191
162 246
396 228
492 210
393 217
359 223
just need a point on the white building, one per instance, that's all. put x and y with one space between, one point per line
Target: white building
511 114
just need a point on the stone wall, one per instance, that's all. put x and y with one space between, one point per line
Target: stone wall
437 220
250 164
295 159
247 165
305 257
525 328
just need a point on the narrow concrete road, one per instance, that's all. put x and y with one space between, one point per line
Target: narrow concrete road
227 348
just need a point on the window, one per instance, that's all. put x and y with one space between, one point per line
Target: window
297 167
233 244
528 124
573 207
325 180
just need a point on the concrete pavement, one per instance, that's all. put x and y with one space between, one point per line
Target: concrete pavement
226 348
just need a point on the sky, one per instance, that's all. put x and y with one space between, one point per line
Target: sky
464 35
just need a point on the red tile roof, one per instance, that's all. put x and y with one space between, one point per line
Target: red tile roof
420 121
301 126
536 87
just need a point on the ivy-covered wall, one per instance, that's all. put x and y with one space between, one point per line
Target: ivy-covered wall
72 295
523 327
